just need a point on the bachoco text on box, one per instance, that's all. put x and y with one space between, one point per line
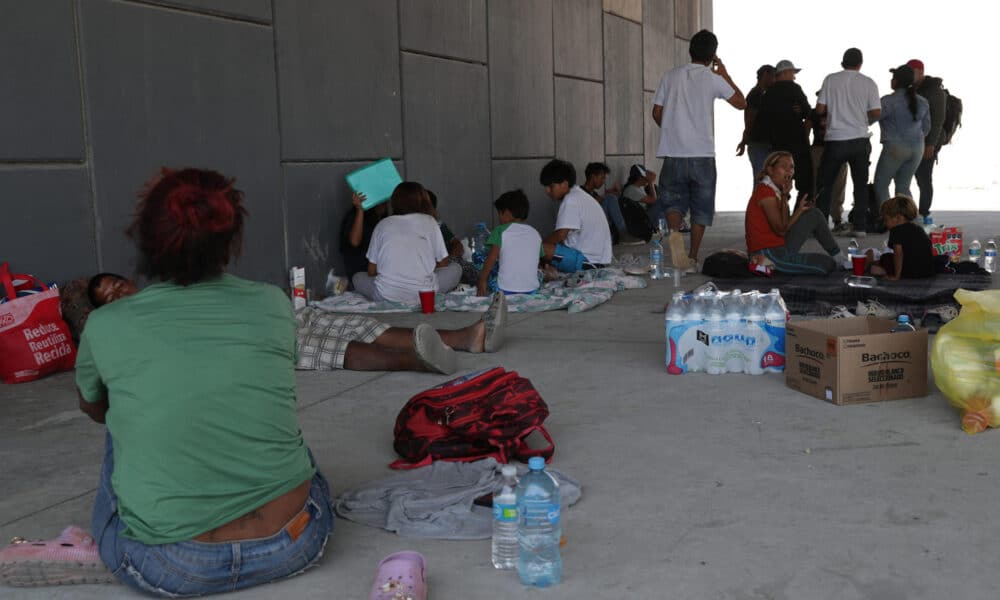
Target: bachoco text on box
852 361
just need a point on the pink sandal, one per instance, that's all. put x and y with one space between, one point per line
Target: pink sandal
400 576
72 558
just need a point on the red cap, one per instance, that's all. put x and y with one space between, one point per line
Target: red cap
915 64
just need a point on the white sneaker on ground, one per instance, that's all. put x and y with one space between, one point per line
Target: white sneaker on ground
840 312
874 308
692 266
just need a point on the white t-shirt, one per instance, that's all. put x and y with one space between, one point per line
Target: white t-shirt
520 250
848 96
589 231
687 95
405 249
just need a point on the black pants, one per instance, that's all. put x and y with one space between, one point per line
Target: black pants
856 154
925 181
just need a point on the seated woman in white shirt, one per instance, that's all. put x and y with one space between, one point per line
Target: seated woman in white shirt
407 253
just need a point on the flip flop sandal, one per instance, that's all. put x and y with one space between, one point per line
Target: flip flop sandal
432 352
400 576
70 559
495 320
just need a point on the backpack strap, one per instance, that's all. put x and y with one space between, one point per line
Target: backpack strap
523 452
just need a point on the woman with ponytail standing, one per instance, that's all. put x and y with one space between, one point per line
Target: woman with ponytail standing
207 485
905 121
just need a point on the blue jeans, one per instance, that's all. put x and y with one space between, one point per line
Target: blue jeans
757 153
196 568
856 154
614 212
897 162
688 184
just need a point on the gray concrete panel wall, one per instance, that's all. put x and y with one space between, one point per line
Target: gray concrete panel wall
579 121
339 79
154 102
577 38
619 166
453 28
40 105
622 86
52 204
521 96
447 143
288 96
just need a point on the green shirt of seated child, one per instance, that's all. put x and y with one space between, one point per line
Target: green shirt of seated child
912 256
515 246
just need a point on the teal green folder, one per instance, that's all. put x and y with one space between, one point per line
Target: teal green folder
376 181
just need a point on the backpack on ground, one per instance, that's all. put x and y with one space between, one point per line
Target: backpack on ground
484 414
636 219
952 117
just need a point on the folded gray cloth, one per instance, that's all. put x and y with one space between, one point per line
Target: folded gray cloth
437 501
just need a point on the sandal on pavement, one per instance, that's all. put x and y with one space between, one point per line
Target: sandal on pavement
400 576
432 352
72 558
496 322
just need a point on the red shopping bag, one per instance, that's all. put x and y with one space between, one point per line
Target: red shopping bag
34 340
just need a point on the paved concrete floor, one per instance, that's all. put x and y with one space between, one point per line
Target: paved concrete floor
729 487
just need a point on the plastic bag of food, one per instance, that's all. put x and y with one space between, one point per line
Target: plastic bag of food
965 359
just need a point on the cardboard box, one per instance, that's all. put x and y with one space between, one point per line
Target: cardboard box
852 361
947 240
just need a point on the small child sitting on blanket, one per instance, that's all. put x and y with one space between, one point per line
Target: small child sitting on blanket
911 256
582 236
516 246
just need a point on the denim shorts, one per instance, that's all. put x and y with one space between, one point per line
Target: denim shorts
688 185
192 568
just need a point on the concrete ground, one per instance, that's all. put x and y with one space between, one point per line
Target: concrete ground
701 487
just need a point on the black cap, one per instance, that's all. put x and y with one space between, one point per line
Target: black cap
852 58
903 75
764 69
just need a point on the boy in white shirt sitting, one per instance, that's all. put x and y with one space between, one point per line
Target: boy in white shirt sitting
582 239
516 246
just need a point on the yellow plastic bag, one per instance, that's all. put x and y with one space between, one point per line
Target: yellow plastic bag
965 359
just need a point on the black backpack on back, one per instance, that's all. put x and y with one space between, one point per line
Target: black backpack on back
952 117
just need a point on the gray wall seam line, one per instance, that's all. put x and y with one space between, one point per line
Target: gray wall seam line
489 106
402 98
576 77
281 138
88 148
441 56
197 13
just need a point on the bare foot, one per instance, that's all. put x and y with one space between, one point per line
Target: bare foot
477 337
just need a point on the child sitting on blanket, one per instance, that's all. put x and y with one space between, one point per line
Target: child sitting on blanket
582 237
407 251
516 246
911 256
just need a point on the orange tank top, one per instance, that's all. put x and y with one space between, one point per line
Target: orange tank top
758 231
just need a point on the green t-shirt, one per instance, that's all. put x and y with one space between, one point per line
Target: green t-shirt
201 388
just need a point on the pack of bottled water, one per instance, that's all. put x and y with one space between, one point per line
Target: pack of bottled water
715 332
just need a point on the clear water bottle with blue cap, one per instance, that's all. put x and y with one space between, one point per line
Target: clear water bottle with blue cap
990 257
903 325
656 260
479 237
505 548
539 529
976 252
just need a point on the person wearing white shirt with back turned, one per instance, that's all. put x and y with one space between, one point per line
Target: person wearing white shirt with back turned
407 251
513 245
684 108
582 238
852 104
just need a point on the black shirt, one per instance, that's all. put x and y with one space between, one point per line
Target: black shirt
354 258
754 97
782 112
918 258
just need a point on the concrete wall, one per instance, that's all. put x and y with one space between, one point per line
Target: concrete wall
470 97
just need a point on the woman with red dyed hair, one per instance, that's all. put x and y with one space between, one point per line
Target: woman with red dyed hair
207 485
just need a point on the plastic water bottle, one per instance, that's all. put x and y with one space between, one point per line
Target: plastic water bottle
479 237
755 335
674 322
715 360
774 324
903 325
538 527
733 325
695 320
656 260
928 224
505 548
853 249
975 252
990 257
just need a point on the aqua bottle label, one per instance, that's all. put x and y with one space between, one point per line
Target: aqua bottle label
505 512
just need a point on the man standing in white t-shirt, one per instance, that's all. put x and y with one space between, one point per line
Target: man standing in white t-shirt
582 238
852 104
684 108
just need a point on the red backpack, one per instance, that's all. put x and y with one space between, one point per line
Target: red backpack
483 414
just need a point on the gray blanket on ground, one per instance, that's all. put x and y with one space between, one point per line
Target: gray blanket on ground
437 501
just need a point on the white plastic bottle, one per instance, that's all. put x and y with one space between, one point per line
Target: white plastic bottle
715 358
903 325
674 325
505 548
774 324
990 257
734 326
656 260
853 248
756 338
976 252
539 530
695 319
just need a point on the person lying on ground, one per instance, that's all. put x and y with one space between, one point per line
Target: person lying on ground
515 246
776 233
582 236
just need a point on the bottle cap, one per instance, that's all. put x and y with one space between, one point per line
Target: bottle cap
508 470
536 463
904 318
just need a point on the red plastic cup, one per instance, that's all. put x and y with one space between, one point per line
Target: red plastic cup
858 262
427 301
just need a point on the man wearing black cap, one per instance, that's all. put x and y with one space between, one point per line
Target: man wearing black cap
755 142
852 104
931 89
784 120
